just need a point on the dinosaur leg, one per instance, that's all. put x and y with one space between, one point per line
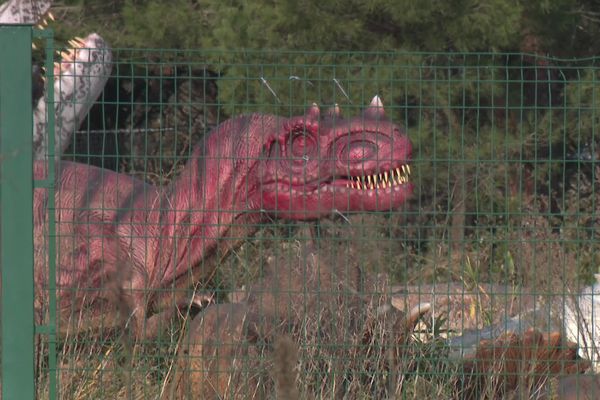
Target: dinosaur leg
218 359
152 327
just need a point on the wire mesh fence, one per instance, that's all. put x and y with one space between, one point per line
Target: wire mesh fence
259 224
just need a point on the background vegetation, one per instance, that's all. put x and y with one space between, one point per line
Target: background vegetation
500 99
565 28
506 129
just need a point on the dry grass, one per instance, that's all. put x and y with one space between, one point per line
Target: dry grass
296 330
341 337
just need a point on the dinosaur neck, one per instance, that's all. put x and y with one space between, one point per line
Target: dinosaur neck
203 211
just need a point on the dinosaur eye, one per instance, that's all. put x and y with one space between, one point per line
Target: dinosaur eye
302 143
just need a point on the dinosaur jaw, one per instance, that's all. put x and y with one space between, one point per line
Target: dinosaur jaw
382 190
24 11
79 78
83 53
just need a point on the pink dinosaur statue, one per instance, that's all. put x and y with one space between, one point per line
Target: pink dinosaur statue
118 236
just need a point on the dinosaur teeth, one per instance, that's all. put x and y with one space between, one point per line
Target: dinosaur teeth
382 180
67 55
74 43
44 20
334 111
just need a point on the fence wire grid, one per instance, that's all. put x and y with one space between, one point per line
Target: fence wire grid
431 231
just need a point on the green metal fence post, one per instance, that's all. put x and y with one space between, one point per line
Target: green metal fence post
16 204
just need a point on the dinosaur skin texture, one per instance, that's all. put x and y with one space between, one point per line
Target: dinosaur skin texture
119 239
79 78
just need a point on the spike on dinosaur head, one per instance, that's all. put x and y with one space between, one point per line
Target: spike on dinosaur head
375 109
335 111
314 167
313 112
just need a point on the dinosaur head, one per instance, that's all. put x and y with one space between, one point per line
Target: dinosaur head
79 77
24 11
318 164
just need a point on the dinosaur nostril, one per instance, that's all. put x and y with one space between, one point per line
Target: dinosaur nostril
358 151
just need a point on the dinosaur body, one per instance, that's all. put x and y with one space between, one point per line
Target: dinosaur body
116 231
79 78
